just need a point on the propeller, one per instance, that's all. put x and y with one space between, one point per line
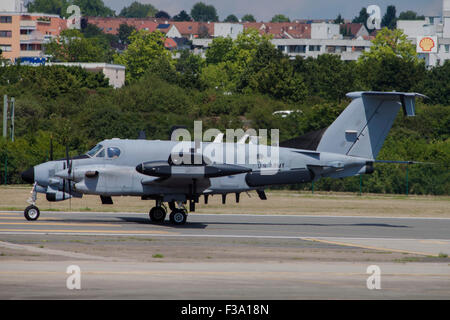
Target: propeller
68 165
51 148
69 171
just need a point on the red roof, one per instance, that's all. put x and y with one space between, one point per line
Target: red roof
281 30
170 43
353 28
111 25
187 28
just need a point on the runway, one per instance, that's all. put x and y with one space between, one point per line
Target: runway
123 255
428 236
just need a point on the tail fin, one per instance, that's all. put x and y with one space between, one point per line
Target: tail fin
362 127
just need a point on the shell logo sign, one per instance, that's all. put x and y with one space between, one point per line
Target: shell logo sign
427 45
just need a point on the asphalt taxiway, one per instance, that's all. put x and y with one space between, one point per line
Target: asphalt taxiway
428 236
124 255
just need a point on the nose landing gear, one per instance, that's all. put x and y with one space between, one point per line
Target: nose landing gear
32 212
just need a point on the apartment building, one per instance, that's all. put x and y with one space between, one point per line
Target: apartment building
431 36
22 34
305 39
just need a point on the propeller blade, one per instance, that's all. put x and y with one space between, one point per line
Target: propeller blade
51 148
67 155
69 170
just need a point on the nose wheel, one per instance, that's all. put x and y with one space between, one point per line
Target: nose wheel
31 213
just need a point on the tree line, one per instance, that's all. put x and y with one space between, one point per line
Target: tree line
238 84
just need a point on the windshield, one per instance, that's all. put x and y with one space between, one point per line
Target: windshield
94 150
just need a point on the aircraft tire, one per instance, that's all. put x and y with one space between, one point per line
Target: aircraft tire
157 214
31 213
178 217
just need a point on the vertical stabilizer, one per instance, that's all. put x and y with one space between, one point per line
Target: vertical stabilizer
360 130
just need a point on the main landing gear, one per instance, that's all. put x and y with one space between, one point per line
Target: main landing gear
178 216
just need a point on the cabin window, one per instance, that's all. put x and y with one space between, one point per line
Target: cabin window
94 150
113 152
101 154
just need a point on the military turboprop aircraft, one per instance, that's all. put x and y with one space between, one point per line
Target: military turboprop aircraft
149 169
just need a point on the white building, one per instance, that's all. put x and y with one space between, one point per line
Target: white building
325 31
346 49
12 6
231 30
431 35
115 73
325 38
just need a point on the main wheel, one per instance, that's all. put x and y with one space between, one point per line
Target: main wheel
31 213
157 214
178 217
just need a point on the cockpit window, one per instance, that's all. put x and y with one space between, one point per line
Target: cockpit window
94 150
101 154
113 152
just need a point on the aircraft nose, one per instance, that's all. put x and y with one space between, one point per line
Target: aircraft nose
28 175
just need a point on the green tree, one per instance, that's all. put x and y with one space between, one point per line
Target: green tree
390 18
339 19
138 10
95 8
204 13
182 16
277 78
436 85
189 66
410 15
320 83
391 43
220 50
280 18
392 63
162 15
48 6
72 46
145 52
125 31
362 18
228 61
231 18
248 18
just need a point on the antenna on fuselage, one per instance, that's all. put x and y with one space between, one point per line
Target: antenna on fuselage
142 135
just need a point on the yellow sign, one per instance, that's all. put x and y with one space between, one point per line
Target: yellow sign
427 45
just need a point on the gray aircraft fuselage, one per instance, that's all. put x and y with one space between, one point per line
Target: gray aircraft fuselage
119 176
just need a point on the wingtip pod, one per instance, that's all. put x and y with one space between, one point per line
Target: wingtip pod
407 99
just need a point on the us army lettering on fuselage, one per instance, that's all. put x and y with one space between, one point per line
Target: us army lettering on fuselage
271 165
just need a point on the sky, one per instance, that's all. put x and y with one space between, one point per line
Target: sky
264 10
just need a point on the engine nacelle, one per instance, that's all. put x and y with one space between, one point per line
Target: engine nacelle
57 196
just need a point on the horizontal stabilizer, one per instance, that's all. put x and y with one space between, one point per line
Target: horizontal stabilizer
403 162
408 100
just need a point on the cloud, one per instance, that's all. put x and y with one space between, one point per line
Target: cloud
302 9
